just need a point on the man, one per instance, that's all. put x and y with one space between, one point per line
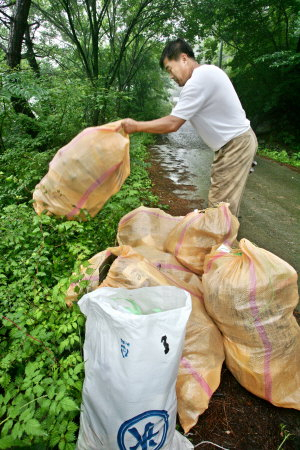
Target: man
209 101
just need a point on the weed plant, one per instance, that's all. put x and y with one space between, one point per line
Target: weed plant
41 368
293 159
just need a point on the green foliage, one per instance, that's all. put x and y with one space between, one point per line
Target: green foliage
60 103
18 84
22 169
283 58
281 156
104 67
261 54
148 96
96 62
64 103
41 369
285 434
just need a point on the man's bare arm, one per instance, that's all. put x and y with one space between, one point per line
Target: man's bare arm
166 124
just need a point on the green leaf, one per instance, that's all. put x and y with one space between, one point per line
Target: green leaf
62 427
13 411
53 407
69 436
34 427
38 390
61 393
26 415
62 445
30 369
7 426
41 274
68 404
54 439
51 392
63 345
44 403
17 430
78 385
9 442
7 397
79 368
72 427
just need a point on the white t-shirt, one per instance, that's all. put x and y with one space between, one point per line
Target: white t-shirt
209 101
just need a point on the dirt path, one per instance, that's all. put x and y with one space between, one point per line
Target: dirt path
235 419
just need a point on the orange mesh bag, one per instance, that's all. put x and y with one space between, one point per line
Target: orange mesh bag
195 235
251 293
99 264
146 226
146 229
85 173
167 264
203 354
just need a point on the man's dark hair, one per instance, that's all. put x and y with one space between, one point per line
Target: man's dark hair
173 50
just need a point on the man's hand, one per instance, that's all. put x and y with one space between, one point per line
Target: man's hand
129 125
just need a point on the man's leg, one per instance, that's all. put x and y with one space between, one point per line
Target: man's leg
230 170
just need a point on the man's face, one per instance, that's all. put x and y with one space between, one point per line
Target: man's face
178 69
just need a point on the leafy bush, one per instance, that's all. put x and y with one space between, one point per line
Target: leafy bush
58 101
41 371
22 169
281 156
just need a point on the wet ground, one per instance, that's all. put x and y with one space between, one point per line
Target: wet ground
270 212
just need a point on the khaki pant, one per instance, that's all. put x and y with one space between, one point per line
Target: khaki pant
230 170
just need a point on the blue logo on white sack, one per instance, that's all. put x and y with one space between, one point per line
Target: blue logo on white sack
124 348
147 431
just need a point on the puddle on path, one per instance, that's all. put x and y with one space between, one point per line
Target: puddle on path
186 161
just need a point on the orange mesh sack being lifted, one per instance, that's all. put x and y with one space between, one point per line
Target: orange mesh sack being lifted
195 235
251 294
85 173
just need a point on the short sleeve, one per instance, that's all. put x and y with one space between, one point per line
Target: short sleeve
192 99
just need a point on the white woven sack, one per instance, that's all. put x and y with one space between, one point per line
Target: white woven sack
132 348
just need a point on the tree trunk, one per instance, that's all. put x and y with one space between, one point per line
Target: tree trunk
14 52
17 31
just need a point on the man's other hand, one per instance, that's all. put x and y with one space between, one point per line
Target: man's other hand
129 126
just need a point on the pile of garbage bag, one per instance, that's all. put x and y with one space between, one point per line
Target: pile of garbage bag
242 301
